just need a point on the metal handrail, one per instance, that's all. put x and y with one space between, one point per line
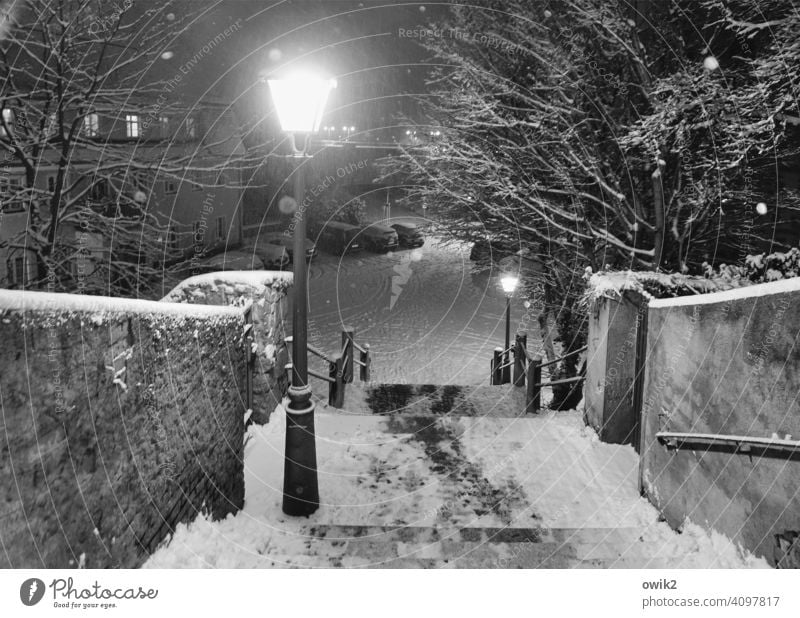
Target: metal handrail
311 372
560 358
675 440
561 381
313 350
319 353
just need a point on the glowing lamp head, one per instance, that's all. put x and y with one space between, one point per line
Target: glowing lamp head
300 101
509 284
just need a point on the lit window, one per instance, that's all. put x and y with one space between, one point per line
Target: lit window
131 125
9 187
191 128
163 122
220 228
8 119
91 125
170 186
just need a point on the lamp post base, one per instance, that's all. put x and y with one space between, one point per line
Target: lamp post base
300 488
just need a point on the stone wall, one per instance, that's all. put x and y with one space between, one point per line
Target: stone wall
608 392
267 291
120 419
726 363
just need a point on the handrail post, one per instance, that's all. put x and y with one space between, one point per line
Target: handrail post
497 364
520 345
365 362
250 356
533 392
336 388
348 336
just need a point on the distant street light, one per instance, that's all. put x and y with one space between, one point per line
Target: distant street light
300 101
509 284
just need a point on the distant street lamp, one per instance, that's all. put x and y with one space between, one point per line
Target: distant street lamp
299 101
509 284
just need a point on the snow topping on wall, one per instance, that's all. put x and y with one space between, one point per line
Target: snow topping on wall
259 279
23 300
762 289
652 285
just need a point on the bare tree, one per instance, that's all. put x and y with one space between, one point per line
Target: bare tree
68 68
579 129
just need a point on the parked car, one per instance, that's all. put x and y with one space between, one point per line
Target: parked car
379 238
338 237
491 250
287 241
408 234
230 260
274 257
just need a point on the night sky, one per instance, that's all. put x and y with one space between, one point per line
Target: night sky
358 43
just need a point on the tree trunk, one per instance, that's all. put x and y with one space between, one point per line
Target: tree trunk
547 335
658 208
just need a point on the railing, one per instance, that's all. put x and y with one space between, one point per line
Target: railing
249 339
784 448
527 371
341 367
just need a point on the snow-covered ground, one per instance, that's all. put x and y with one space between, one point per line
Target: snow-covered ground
426 317
547 473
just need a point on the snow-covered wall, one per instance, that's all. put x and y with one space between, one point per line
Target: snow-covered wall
726 363
267 291
608 391
121 418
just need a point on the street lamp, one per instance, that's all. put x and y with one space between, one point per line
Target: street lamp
509 284
299 101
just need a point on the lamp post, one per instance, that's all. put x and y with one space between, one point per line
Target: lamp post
299 101
509 284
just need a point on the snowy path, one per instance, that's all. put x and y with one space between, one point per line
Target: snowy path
419 489
424 314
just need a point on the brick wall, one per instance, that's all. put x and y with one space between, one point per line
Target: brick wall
120 419
725 363
267 291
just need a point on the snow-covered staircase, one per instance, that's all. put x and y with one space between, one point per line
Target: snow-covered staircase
446 477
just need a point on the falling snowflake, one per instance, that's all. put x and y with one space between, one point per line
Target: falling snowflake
287 204
275 54
167 55
710 63
761 208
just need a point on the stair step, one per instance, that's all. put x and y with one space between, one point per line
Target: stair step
395 546
435 399
430 547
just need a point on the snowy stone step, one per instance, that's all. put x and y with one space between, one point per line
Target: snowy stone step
394 547
435 399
